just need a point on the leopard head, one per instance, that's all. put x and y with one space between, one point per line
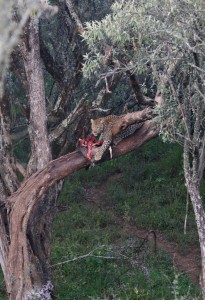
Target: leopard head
97 126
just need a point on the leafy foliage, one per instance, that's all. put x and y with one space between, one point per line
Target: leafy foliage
148 37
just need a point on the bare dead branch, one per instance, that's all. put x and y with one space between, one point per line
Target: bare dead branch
58 131
20 168
90 254
107 86
103 96
163 79
74 15
100 109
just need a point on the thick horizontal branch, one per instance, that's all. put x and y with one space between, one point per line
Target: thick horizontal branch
36 185
148 131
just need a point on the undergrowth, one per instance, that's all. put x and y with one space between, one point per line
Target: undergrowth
150 193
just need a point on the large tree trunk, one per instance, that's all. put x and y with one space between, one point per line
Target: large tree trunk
28 263
27 268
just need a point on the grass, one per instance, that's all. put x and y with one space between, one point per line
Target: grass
153 194
76 233
150 193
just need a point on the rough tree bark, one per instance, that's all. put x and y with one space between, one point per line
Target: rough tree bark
30 51
192 180
29 271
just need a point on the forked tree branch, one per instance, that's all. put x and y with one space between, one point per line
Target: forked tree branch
36 185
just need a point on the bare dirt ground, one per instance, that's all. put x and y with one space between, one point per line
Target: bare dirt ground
188 263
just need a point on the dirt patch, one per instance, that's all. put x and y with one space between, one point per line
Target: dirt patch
188 263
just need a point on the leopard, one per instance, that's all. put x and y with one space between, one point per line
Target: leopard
112 130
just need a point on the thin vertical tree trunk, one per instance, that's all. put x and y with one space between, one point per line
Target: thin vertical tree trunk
193 184
37 128
196 200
